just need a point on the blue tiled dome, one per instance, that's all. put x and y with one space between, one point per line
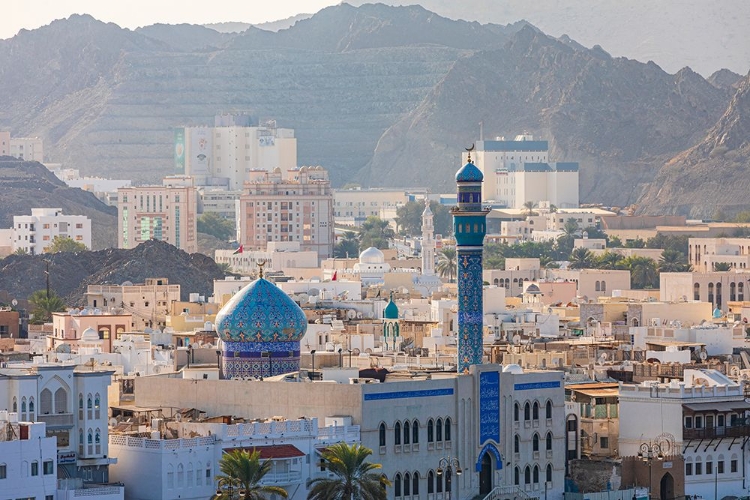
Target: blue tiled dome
391 310
261 312
469 173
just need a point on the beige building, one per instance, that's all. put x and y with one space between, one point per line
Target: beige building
27 148
4 143
717 288
148 303
297 207
353 206
165 213
69 328
220 202
703 253
593 283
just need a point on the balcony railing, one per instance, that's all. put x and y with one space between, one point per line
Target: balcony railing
716 432
57 419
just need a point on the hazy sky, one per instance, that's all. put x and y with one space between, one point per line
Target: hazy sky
30 14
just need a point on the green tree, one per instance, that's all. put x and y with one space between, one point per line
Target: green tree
530 206
722 266
20 251
65 244
242 472
608 260
643 271
43 306
354 477
447 262
636 243
581 258
493 256
348 246
410 218
375 232
672 261
614 242
217 226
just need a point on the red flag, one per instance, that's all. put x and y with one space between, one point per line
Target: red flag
239 250
335 273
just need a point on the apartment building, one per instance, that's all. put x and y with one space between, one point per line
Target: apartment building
35 233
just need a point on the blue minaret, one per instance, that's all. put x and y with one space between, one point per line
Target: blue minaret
469 227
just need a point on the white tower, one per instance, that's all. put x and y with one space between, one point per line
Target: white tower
428 240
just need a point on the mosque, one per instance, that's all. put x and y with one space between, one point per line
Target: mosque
484 429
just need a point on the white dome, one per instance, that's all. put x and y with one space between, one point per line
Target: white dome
371 256
89 335
513 368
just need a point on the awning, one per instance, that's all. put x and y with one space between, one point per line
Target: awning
598 393
275 451
719 407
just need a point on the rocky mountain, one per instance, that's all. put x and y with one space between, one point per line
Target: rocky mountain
725 79
620 118
70 274
27 184
716 170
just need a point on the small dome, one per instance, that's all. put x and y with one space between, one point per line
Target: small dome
427 210
513 368
391 310
371 256
469 173
533 289
89 335
261 312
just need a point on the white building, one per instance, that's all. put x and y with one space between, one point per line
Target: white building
717 287
222 155
283 256
27 148
353 206
704 253
28 459
35 233
223 203
149 303
518 171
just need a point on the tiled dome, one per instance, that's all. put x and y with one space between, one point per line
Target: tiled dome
469 173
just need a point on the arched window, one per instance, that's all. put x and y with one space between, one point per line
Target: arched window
98 437
381 434
397 485
516 412
90 439
527 475
697 291
97 401
180 475
439 430
407 432
548 442
527 411
31 408
23 407
740 291
597 287
415 484
711 292
199 474
517 476
430 482
535 442
604 286
535 413
45 402
448 429
89 402
415 432
15 405
536 474
430 431
548 410
407 484
189 474
397 433
516 444
439 483
549 473
61 401
448 479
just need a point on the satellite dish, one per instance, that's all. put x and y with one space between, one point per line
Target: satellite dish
602 358
703 355
359 315
63 348
516 339
549 310
356 351
14 302
127 283
313 292
351 314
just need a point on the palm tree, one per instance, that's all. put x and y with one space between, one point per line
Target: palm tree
354 479
447 261
242 472
643 273
530 206
722 266
672 261
581 258
608 260
42 306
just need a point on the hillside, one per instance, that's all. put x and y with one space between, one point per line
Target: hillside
26 184
70 274
717 169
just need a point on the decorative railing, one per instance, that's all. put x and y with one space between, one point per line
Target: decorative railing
509 493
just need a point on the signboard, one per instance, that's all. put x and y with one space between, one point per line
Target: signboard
66 457
201 151
179 150
489 407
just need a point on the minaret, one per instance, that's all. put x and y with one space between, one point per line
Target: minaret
428 240
469 229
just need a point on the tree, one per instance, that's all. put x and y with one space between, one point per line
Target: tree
217 226
581 258
353 479
608 260
614 242
722 266
65 244
375 232
410 218
643 271
636 243
530 206
672 261
43 306
447 261
242 472
20 251
348 246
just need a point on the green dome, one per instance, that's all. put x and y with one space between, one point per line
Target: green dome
391 310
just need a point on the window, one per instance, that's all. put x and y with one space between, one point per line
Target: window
527 411
415 432
415 484
517 476
516 411
48 467
61 401
381 434
709 467
34 468
397 433
170 476
536 474
698 468
407 484
535 413
448 429
549 473
430 482
733 465
430 431
397 485
720 467
180 475
698 422
688 469
548 410
199 474
407 432
688 422
603 442
439 430
3 471
535 442
548 442
527 475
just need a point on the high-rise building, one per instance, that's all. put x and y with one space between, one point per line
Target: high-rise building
469 228
224 155
296 208
518 171
35 233
166 213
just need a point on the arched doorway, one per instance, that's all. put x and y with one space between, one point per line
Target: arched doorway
666 486
485 475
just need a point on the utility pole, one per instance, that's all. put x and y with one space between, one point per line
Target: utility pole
46 263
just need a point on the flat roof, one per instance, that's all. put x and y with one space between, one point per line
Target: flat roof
667 343
722 406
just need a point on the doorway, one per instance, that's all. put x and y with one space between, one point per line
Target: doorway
666 486
485 475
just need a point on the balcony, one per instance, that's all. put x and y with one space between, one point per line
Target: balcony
274 478
716 432
56 420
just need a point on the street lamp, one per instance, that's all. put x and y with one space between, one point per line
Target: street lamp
448 465
350 357
648 452
218 362
312 353
341 358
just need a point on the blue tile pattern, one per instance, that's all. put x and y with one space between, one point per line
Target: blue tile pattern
377 396
470 318
489 407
